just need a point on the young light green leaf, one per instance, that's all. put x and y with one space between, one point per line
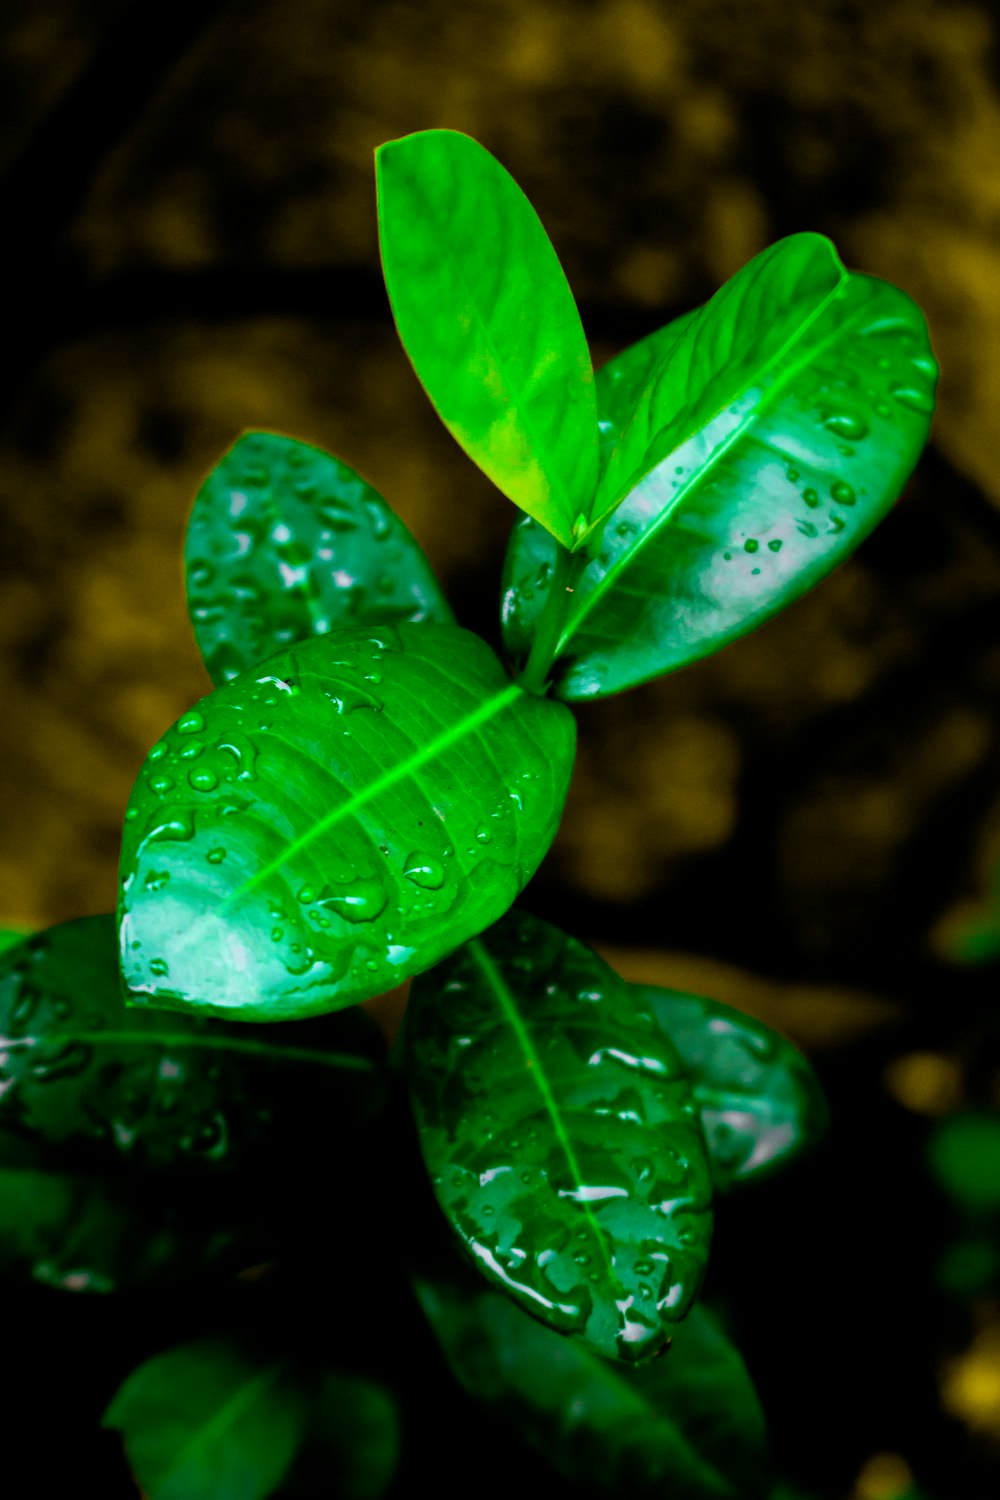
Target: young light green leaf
688 1425
287 542
560 1136
761 1103
78 1232
728 521
487 318
316 831
207 1422
107 1084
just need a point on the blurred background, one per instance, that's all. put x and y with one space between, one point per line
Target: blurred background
807 825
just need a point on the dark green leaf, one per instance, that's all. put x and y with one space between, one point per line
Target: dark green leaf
487 317
560 1136
109 1084
812 392
760 1101
312 833
287 542
82 1233
206 1422
964 1155
687 1426
353 1445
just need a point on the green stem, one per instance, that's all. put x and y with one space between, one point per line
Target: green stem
535 677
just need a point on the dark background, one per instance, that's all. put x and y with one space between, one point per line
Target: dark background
806 825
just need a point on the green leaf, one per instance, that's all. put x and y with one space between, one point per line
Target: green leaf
354 1440
964 1156
81 1233
487 318
287 542
812 393
110 1085
10 937
207 1422
560 1136
761 1103
312 833
688 1425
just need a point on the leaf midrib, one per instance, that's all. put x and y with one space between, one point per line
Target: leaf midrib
505 1000
224 1416
593 597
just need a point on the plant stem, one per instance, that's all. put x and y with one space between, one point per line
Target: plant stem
534 678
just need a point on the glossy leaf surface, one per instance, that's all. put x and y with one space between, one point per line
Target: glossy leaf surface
78 1232
688 1425
728 521
286 542
487 318
108 1084
761 1103
315 831
560 1136
206 1422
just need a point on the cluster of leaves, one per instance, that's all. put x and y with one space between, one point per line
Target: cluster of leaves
363 797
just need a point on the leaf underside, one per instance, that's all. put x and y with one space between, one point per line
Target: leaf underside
286 542
560 1136
731 520
323 827
487 318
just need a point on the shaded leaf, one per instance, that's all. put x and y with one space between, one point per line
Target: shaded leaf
353 1442
687 1425
108 1084
286 542
312 833
740 497
560 1136
207 1422
487 318
81 1233
964 1156
761 1103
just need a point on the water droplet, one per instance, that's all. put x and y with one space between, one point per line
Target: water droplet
842 492
846 425
638 1335
216 856
159 966
793 475
158 751
424 872
371 965
774 546
131 814
837 523
156 880
190 723
306 894
361 901
203 779
277 933
177 825
192 749
811 498
728 556
751 544
161 784
483 835
201 574
914 398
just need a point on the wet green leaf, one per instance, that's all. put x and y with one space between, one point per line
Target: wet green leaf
761 1103
206 1421
560 1135
487 318
79 1232
110 1085
319 829
772 429
688 1425
287 542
